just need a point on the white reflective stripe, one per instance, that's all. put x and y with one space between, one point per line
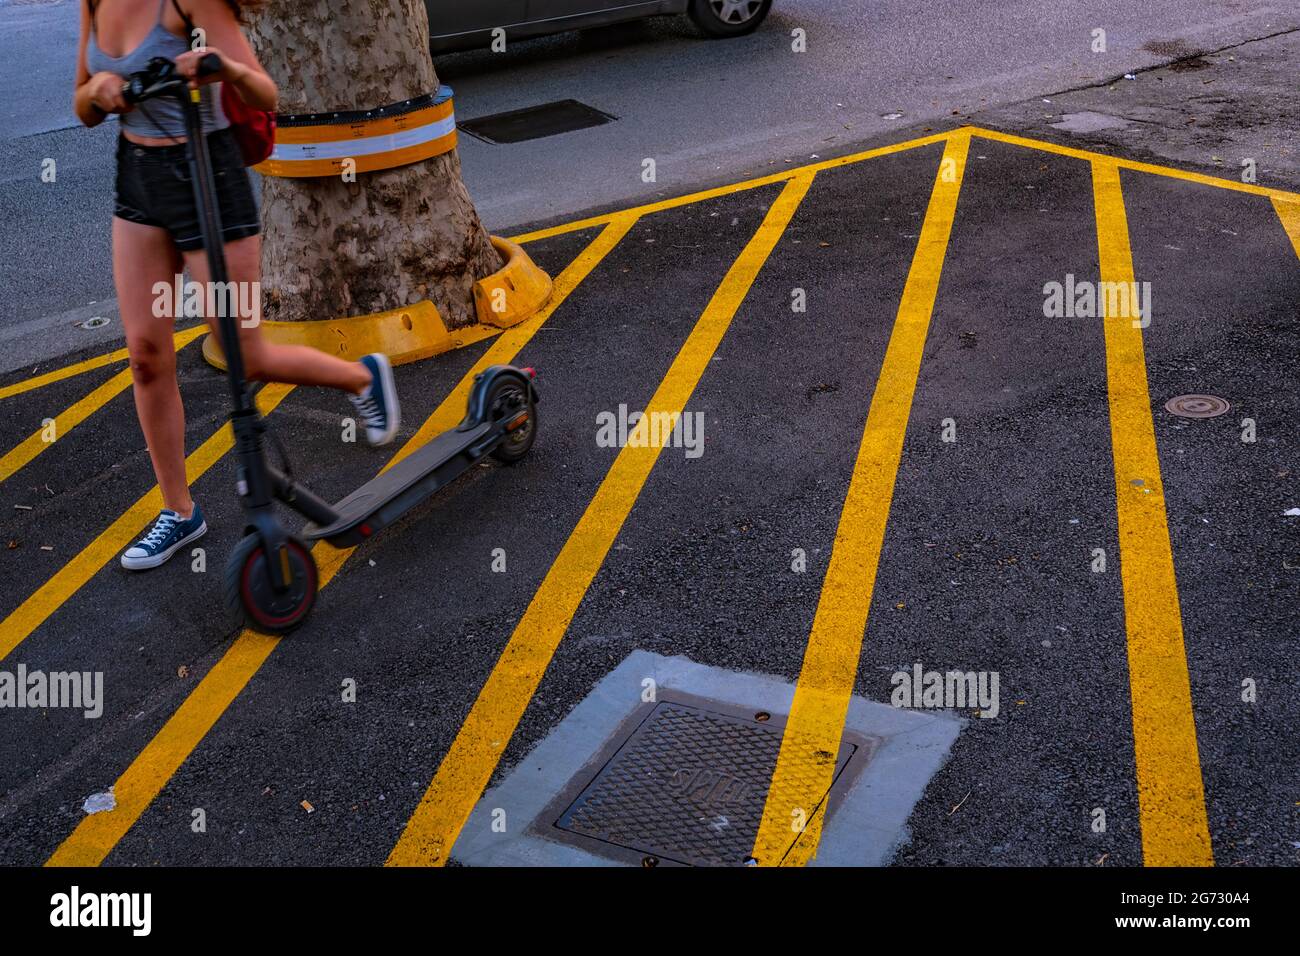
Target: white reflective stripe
342 149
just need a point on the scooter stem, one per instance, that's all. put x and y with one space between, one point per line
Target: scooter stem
205 193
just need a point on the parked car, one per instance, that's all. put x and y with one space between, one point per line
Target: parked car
465 24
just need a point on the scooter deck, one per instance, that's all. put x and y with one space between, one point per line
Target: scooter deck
392 493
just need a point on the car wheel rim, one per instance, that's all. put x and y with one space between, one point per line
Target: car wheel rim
735 12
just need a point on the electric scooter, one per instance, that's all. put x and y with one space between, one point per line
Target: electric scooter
271 578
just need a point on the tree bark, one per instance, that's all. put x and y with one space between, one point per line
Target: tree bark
393 237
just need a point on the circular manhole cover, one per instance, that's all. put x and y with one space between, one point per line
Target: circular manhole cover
1197 406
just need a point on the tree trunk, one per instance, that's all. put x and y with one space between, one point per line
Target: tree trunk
333 248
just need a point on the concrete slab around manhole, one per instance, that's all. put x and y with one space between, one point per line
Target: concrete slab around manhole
1088 122
682 778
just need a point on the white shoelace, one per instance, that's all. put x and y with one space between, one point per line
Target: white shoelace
161 529
368 408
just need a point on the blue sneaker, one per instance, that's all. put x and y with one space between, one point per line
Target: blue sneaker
168 534
377 405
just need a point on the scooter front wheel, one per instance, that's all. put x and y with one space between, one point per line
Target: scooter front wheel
251 596
509 401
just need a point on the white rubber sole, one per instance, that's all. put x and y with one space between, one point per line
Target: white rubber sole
389 386
144 564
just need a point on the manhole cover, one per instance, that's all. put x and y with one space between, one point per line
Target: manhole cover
549 119
683 783
1197 406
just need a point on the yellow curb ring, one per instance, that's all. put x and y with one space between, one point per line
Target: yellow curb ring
417 331
319 144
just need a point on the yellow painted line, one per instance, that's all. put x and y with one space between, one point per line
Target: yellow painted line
26 450
799 172
1170 172
69 579
1171 799
97 834
183 337
782 176
811 168
468 765
805 766
1289 214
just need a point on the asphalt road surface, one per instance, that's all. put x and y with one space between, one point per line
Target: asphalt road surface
706 112
945 453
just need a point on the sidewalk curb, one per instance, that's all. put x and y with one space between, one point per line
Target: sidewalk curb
417 331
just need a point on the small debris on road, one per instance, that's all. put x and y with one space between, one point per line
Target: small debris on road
100 802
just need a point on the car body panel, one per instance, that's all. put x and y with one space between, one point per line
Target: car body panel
474 16
468 24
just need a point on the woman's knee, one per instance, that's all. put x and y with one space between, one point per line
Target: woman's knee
150 362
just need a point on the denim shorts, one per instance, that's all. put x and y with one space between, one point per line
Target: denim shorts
153 188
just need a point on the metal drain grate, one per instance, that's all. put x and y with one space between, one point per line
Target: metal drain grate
683 782
535 122
1197 406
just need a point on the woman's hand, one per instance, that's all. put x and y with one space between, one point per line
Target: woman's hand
187 65
105 92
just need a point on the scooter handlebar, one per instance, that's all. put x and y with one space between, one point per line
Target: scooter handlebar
209 65
160 78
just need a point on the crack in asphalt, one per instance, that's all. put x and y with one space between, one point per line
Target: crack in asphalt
1182 58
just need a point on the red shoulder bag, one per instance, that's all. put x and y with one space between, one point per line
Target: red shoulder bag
254 129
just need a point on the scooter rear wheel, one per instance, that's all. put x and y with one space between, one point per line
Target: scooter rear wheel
510 400
251 597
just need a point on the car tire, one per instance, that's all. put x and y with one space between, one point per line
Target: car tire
728 18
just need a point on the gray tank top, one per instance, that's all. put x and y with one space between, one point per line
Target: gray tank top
161 117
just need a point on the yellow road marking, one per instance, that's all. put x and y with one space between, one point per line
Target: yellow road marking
181 338
786 174
799 172
783 176
1170 795
805 766
1289 213
49 597
468 765
26 450
97 834
1170 172
39 606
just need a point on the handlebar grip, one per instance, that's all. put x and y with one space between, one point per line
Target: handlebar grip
210 64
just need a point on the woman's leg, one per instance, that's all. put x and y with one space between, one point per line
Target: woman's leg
265 361
143 256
